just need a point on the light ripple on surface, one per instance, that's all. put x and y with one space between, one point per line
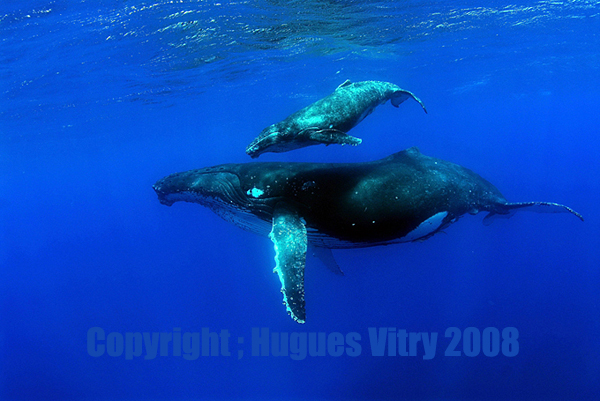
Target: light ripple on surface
142 49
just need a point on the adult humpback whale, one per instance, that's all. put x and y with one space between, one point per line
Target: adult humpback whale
329 119
405 197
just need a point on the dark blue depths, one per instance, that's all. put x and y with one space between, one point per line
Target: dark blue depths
99 101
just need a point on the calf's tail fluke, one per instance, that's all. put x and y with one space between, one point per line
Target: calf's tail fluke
401 95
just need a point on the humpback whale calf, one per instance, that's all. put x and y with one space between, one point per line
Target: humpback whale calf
328 120
402 198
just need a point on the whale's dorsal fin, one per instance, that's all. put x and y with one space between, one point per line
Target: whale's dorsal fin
346 83
538 207
290 240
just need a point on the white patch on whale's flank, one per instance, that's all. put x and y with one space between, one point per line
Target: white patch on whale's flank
427 227
255 192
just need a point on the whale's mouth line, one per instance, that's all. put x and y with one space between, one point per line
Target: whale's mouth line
224 195
209 186
220 191
165 202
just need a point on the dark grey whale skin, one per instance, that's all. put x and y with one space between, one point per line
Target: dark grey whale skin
405 197
328 120
359 204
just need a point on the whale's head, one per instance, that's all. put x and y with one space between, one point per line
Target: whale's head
219 185
277 138
220 189
268 138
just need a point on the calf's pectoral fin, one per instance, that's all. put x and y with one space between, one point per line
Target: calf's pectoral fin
508 209
290 241
330 136
401 95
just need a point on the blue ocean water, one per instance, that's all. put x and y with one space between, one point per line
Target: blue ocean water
101 99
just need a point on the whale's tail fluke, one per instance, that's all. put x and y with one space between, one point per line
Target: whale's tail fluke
401 95
506 210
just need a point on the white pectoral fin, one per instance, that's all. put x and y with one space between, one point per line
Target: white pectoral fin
427 227
290 241
401 95
329 136
537 207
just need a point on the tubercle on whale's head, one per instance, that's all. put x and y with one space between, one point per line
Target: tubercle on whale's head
255 149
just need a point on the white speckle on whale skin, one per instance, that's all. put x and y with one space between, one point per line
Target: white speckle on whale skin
255 192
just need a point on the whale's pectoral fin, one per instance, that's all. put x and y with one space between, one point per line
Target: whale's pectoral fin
329 136
489 219
401 95
508 209
325 255
289 238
